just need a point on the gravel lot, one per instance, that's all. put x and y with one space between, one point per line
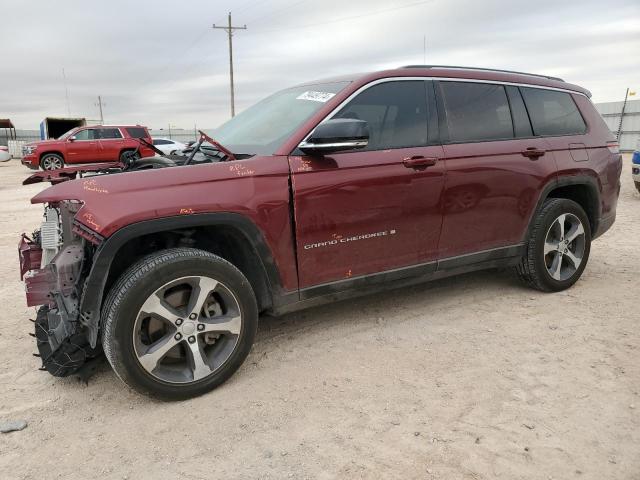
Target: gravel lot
473 377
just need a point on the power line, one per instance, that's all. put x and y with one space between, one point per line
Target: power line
246 5
344 19
229 29
275 12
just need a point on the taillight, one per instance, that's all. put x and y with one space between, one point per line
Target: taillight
614 147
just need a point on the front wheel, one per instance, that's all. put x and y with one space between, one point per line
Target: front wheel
179 323
51 161
558 248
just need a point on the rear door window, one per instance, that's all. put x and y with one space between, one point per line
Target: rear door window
553 112
476 111
396 113
109 133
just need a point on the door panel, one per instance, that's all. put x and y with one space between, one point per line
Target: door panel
111 144
364 212
375 209
86 148
491 192
494 178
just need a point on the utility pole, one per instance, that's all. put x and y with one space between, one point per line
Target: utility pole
229 29
424 50
66 92
99 104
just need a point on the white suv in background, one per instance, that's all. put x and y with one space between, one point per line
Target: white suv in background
168 146
5 156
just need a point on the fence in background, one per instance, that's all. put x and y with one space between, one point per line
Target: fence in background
630 133
21 135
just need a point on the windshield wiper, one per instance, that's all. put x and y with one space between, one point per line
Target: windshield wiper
206 138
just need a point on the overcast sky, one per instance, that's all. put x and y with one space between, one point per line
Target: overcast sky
159 62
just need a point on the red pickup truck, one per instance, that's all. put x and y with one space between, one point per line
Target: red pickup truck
320 192
94 144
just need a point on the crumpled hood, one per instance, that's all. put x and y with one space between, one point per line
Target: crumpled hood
115 200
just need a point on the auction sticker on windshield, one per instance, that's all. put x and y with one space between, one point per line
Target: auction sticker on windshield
316 96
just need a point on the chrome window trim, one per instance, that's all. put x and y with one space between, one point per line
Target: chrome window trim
320 146
333 112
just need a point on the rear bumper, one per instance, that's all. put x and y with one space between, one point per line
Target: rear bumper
604 224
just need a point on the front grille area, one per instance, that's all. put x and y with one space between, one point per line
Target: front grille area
50 234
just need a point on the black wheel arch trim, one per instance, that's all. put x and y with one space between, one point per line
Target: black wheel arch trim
94 294
578 180
52 152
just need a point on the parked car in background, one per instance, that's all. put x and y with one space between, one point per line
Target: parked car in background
94 144
635 166
5 156
168 146
323 191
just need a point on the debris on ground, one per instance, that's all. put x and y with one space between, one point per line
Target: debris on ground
13 426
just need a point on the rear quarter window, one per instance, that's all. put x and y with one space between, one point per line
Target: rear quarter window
552 112
137 132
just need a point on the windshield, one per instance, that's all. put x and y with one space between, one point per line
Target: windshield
68 134
262 128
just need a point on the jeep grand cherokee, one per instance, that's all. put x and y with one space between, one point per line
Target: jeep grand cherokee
323 191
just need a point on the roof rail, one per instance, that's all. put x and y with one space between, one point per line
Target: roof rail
455 67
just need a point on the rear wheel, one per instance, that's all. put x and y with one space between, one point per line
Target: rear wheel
129 156
179 323
558 248
51 161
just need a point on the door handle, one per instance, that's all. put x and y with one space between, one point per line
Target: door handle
533 153
419 161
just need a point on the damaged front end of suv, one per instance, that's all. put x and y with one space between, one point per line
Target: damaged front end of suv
54 262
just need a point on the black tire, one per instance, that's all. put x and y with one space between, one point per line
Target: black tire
532 269
128 156
137 284
637 186
51 161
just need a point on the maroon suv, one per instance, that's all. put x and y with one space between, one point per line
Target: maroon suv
95 144
322 191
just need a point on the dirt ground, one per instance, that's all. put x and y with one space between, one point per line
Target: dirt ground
473 377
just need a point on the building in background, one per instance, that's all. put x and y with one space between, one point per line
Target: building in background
630 132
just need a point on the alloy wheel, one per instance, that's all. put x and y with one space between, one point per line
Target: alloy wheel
564 247
51 162
187 329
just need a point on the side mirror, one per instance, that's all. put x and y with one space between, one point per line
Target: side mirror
337 135
72 138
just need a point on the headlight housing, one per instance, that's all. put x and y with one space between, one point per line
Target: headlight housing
29 149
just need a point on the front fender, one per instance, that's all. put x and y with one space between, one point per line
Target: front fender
94 291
